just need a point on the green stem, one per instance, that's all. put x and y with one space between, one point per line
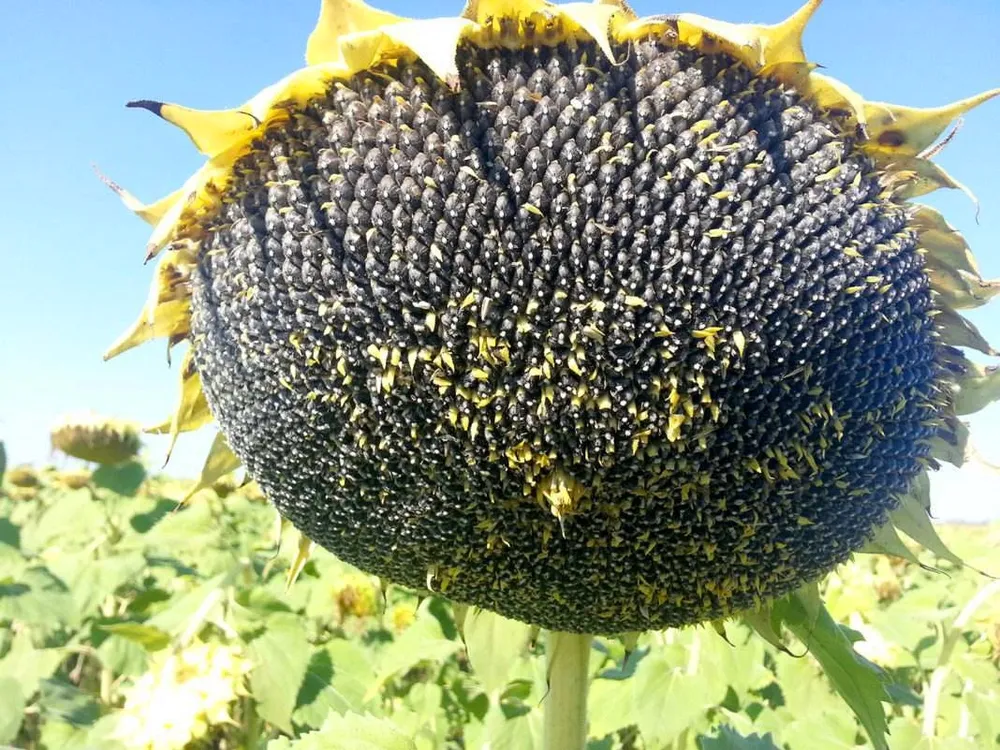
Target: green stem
568 657
936 685
253 738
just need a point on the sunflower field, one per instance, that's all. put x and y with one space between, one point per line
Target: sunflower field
130 621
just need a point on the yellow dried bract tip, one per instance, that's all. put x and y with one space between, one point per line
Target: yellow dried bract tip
976 388
192 409
757 46
338 19
896 131
946 247
301 558
220 462
167 313
210 131
91 437
151 213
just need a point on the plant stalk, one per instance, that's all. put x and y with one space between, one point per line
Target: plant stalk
568 663
939 676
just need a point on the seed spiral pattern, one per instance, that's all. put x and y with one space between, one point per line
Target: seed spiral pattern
602 347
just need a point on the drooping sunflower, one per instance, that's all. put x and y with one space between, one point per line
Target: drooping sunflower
604 323
91 437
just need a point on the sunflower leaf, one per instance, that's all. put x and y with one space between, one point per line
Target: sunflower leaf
911 518
493 643
122 479
149 638
859 682
281 660
886 541
424 640
729 739
351 731
12 708
763 624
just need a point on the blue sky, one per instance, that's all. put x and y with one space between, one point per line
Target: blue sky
71 272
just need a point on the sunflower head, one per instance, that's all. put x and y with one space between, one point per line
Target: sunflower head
94 438
182 696
602 322
401 615
356 595
74 480
23 477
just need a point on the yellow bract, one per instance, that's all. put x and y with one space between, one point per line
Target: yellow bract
908 131
945 245
192 411
220 461
338 19
211 131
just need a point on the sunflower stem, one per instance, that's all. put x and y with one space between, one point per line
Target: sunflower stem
939 676
568 663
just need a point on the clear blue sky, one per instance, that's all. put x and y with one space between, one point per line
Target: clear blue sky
71 272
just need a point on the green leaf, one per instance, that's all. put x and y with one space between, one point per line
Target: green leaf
62 701
493 643
150 638
21 673
101 735
831 730
425 721
73 518
911 518
739 664
123 657
29 665
336 678
200 601
281 657
123 479
59 734
859 682
907 733
144 520
669 699
504 730
10 533
424 640
763 623
11 708
91 581
190 531
349 732
886 541
38 598
610 707
985 709
729 739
